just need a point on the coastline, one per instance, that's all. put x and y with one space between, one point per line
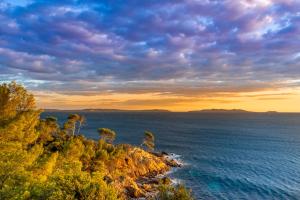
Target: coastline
40 159
158 167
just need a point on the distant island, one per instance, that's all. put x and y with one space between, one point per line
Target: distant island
158 110
222 111
104 110
229 111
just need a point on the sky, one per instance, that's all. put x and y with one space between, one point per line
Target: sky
179 55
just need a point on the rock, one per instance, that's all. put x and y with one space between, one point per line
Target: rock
107 179
122 178
134 192
173 163
152 174
135 173
127 161
166 181
153 181
142 179
160 154
147 187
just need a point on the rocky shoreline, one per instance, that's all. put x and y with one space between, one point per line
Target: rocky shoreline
148 184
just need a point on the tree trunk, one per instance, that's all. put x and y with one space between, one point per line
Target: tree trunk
79 128
74 128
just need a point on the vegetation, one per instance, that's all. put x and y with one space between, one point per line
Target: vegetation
149 140
167 192
74 124
40 160
107 135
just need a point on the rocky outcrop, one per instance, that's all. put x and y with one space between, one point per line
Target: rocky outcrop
135 174
172 163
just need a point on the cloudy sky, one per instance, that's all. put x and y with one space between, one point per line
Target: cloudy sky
166 54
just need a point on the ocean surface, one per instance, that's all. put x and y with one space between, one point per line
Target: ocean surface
226 156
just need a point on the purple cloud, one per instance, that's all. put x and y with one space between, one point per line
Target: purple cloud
118 43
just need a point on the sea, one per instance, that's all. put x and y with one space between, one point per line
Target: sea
249 156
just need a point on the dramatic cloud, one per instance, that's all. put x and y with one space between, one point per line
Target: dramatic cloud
185 48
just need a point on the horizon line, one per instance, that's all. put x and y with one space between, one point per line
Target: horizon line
214 110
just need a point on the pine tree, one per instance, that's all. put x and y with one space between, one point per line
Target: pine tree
149 140
107 135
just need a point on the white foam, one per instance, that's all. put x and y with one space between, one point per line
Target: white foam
171 171
176 181
177 158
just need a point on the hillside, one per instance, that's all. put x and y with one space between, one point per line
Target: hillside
40 160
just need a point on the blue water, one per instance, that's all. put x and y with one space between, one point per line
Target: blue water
227 156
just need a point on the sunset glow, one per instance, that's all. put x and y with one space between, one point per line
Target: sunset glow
175 55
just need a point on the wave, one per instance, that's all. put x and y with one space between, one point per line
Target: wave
177 158
176 181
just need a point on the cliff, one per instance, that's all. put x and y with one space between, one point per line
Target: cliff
139 170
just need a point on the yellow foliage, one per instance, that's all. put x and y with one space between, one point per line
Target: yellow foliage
14 99
39 161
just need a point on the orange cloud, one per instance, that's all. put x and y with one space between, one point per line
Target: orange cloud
285 100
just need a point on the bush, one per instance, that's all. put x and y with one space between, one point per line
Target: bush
167 192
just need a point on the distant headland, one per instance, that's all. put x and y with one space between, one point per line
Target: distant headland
159 110
221 111
104 110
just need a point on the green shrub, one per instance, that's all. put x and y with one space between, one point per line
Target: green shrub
102 155
179 192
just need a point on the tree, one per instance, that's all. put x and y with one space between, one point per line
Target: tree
51 122
73 118
71 124
48 128
14 99
18 114
81 121
107 135
149 140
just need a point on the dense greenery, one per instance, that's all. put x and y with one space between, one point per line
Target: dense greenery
167 192
40 160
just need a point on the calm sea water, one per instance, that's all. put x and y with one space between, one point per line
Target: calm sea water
226 156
